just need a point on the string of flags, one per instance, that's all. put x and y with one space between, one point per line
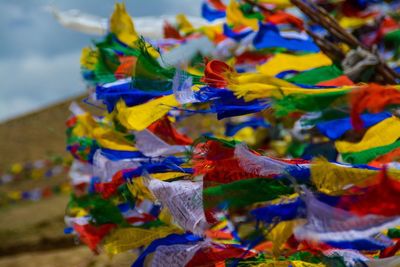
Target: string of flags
35 194
39 171
268 136
36 170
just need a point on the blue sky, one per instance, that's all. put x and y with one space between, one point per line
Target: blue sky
39 59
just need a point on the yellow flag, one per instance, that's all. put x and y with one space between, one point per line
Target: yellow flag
332 179
16 168
211 31
280 233
235 17
282 62
220 225
110 139
66 188
243 78
271 263
124 239
84 126
37 173
166 217
194 71
167 175
15 195
253 86
89 58
306 264
246 134
139 189
353 22
280 3
141 116
122 26
286 263
184 24
384 133
107 138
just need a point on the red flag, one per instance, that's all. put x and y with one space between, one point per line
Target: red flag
380 198
213 255
92 235
373 98
214 73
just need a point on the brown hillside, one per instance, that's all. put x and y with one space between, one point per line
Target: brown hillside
36 135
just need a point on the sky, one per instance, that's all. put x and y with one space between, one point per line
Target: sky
39 59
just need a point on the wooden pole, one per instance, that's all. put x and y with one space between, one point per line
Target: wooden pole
322 17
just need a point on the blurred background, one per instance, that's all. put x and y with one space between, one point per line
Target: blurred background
40 76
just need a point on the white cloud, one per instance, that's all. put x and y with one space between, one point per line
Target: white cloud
39 60
31 82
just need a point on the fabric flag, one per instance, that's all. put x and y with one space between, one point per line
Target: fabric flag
175 255
142 116
258 165
372 138
244 192
330 224
373 98
268 36
153 146
218 254
283 62
316 75
282 211
185 202
335 179
104 168
122 26
334 129
111 93
124 239
93 235
384 191
170 240
235 17
213 9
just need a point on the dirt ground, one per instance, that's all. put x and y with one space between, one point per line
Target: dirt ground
79 256
32 233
